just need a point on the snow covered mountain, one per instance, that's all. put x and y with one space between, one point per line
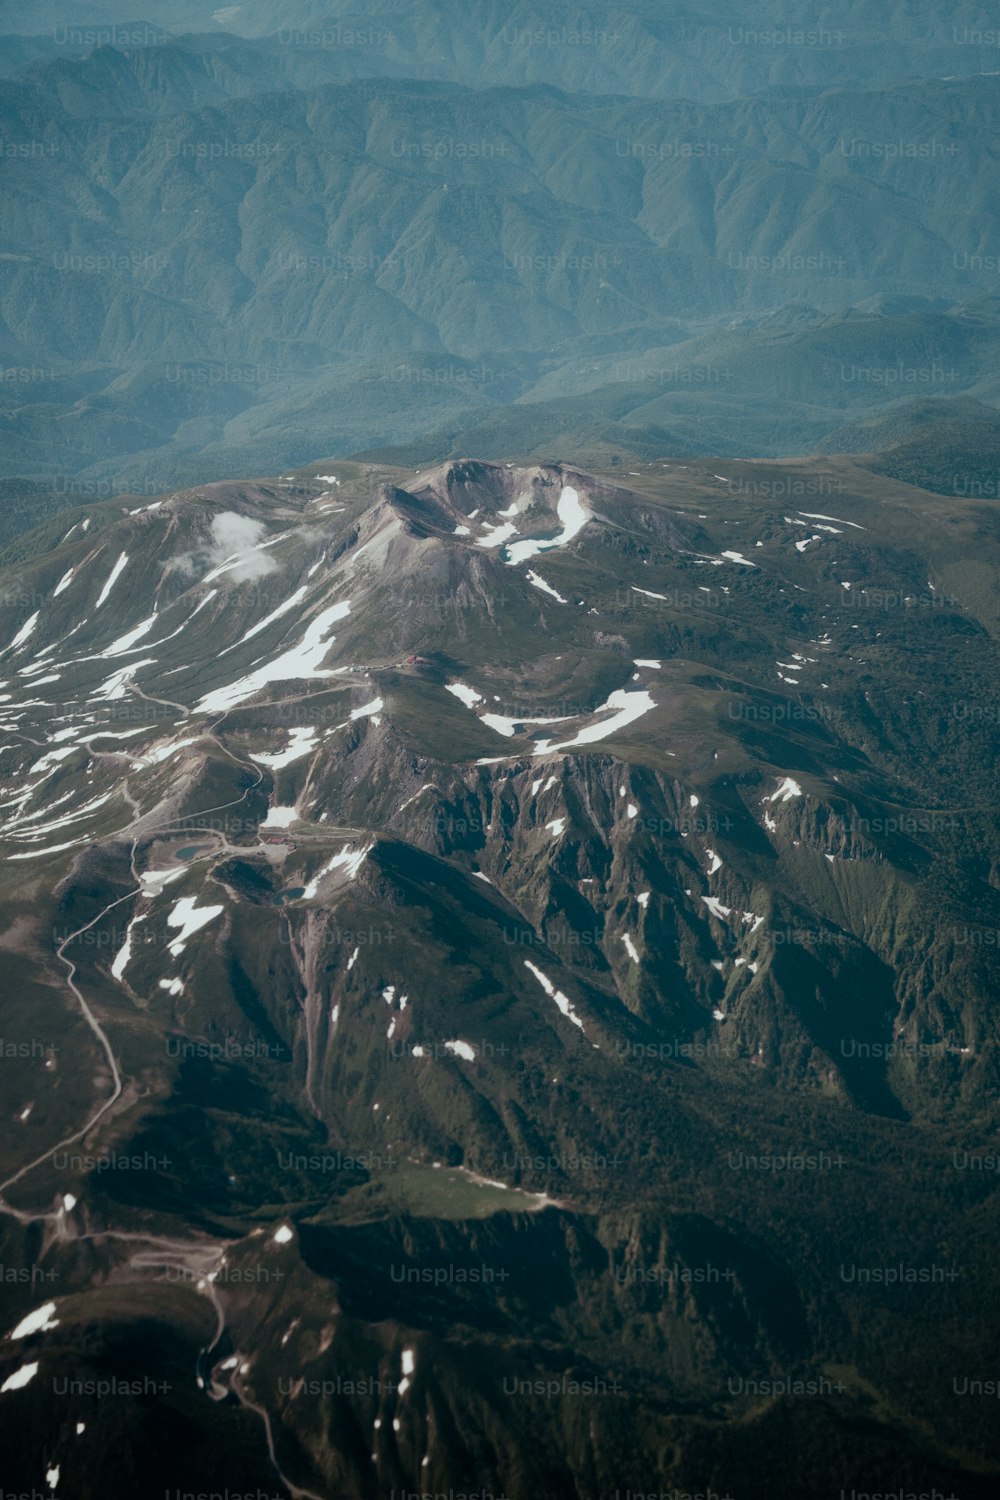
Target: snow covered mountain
454 922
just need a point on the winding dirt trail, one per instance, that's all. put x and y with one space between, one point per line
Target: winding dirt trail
196 1260
106 1047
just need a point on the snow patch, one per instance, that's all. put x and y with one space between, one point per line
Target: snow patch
20 1378
368 709
55 849
497 535
301 661
560 999
160 753
629 706
409 1365
280 817
571 513
301 741
114 686
275 614
190 918
124 953
25 631
39 1321
815 515
348 859
124 642
468 695
547 588
152 881
113 578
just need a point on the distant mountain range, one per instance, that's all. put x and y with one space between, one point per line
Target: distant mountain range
196 279
654 48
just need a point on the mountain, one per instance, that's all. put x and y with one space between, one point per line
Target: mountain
502 961
950 446
647 48
195 285
781 384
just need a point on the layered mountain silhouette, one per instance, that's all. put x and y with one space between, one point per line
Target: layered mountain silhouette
196 285
695 51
